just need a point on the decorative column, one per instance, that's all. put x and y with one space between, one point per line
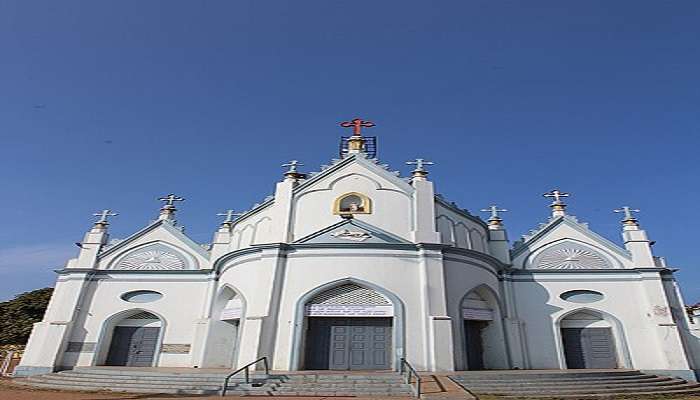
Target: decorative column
424 229
498 239
50 337
284 197
664 329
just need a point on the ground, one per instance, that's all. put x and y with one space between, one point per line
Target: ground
10 391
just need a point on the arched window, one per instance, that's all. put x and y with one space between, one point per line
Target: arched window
352 203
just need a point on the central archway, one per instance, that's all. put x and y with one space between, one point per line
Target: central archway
348 325
131 339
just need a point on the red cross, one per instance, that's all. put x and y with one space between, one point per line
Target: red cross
357 125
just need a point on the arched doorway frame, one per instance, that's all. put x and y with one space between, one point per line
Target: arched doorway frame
498 318
398 321
104 340
621 348
241 320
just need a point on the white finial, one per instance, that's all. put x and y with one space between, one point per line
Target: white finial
629 217
167 212
102 222
558 206
229 214
419 172
494 210
292 166
104 215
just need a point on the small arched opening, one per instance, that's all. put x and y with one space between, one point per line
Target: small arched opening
349 326
588 340
132 339
482 331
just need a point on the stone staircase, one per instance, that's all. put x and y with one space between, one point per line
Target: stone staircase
572 383
203 382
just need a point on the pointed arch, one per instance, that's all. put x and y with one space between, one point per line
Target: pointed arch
613 261
104 339
227 317
177 257
496 353
619 337
398 331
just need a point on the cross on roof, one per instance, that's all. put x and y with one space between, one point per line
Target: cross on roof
357 124
420 164
556 194
628 212
229 214
494 210
104 215
293 166
171 199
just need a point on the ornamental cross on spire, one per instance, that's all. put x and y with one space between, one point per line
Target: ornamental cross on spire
420 164
628 212
293 166
557 195
103 216
170 200
357 124
494 210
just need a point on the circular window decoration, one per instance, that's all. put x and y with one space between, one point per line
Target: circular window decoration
582 296
141 296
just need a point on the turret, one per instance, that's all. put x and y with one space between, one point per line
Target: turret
498 239
93 241
423 204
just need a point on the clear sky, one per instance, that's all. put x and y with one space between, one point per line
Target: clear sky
110 104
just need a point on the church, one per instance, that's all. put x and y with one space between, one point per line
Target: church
356 268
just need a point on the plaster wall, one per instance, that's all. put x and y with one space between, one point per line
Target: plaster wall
181 305
538 304
459 231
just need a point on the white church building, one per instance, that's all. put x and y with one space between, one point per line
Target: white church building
355 268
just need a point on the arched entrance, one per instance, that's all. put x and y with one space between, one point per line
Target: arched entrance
588 340
349 327
483 338
222 341
134 340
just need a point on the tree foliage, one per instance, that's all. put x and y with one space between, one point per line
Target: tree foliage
19 314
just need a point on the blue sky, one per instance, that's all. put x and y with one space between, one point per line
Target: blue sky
112 104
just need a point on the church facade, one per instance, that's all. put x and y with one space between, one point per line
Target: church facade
356 268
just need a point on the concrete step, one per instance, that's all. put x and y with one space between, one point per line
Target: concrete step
609 390
574 383
627 395
144 389
581 389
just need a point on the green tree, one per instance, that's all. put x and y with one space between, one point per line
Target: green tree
19 314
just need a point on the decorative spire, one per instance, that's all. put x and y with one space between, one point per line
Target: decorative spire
292 173
356 142
558 206
495 222
228 221
629 219
167 212
419 173
102 222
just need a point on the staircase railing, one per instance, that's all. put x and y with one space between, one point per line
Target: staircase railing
407 371
246 370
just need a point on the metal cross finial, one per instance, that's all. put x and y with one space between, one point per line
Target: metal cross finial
104 215
420 164
171 199
628 212
556 194
229 214
494 210
357 125
293 166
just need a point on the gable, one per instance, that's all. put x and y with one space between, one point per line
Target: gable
315 201
351 231
159 246
564 243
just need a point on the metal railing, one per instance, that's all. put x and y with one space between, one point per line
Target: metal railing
408 370
246 369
